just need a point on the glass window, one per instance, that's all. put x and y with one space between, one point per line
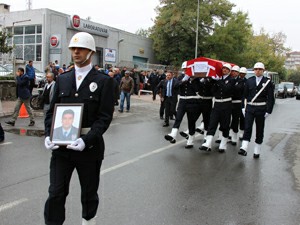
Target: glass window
39 29
18 30
29 52
19 51
38 53
30 30
18 40
29 39
38 38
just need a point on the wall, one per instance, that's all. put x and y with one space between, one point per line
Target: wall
7 90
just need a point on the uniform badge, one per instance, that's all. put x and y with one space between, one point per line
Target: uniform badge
226 82
93 87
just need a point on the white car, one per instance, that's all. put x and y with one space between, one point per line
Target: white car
4 71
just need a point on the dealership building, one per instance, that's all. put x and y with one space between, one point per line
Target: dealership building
43 35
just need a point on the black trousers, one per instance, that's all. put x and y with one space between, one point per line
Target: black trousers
162 108
1 133
61 169
31 85
257 114
206 107
169 103
242 121
221 113
235 116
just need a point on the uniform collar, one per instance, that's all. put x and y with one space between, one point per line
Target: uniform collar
83 70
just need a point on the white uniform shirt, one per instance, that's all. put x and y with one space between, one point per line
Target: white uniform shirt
80 74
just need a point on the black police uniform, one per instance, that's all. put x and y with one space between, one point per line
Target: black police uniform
256 111
237 97
205 93
96 92
189 103
242 117
221 112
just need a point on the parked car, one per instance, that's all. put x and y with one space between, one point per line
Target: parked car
281 91
298 93
39 76
4 71
290 88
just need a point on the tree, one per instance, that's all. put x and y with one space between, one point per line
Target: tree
174 31
4 48
143 32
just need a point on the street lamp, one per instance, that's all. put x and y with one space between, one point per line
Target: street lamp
197 30
121 40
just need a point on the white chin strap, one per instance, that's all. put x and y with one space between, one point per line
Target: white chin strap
87 57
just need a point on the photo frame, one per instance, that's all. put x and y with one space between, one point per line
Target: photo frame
66 123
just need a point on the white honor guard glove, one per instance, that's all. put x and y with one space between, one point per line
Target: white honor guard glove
266 115
215 78
77 145
49 144
244 111
185 78
202 80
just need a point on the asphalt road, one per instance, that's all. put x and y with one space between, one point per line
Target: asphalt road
145 180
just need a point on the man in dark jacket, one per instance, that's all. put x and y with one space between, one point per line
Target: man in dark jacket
83 84
23 95
31 75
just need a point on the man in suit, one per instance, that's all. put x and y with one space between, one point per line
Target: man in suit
83 84
23 94
168 96
66 132
259 95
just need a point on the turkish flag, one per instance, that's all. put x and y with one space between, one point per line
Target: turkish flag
214 67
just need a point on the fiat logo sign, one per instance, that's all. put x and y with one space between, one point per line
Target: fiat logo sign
76 21
54 41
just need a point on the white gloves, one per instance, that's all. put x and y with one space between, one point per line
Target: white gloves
266 115
77 145
244 111
186 77
49 144
215 78
202 80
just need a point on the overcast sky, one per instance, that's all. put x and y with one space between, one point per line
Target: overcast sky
130 15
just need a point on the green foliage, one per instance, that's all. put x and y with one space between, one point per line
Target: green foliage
7 77
4 48
143 32
294 76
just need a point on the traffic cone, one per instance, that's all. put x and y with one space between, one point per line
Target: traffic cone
23 112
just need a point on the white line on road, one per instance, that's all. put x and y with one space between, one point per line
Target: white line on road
12 204
140 157
6 143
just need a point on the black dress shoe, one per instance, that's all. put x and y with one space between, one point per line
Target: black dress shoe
218 141
255 156
31 123
198 130
189 146
233 143
166 125
204 148
170 139
221 150
242 152
12 123
161 117
172 118
120 110
183 134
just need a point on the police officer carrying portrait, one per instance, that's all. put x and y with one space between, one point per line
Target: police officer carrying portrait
83 84
188 103
259 102
221 112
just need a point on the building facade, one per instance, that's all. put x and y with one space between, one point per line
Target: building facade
292 61
43 35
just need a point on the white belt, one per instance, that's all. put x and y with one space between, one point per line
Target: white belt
205 97
257 103
223 100
189 97
236 101
85 130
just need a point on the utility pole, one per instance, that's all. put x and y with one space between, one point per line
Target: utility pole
28 4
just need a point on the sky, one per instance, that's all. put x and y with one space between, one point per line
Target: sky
130 15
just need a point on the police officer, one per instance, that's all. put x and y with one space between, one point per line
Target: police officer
83 84
221 112
259 95
188 103
242 76
237 95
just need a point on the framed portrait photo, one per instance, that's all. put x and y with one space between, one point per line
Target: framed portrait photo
66 123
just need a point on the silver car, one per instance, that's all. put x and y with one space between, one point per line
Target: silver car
4 71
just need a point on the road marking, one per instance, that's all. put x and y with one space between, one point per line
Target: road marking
141 157
6 143
12 204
